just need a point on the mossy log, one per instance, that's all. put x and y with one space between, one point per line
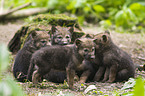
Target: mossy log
43 22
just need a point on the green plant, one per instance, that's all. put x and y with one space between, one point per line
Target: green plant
8 87
125 17
136 86
129 84
127 14
139 88
4 58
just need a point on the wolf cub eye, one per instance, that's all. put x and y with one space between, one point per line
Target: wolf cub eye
67 36
95 40
60 37
86 50
49 39
43 41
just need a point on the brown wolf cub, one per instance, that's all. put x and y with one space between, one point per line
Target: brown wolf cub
59 36
116 63
67 57
22 61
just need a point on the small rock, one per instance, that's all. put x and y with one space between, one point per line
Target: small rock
89 88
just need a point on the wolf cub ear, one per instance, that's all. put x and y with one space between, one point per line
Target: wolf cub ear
89 36
78 42
71 29
107 31
105 38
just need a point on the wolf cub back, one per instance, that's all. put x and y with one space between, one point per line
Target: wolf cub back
116 63
22 60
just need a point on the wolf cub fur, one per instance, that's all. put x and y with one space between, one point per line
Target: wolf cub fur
68 57
116 63
22 60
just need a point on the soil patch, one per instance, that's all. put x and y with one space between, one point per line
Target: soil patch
134 44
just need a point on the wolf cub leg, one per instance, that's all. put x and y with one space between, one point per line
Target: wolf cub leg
106 75
84 76
112 75
99 73
36 77
70 77
86 72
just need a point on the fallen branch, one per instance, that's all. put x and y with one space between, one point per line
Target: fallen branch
2 15
140 74
26 12
140 58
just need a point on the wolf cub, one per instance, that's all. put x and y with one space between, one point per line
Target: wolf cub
116 63
67 57
59 36
22 60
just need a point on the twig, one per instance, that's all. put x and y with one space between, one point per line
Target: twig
140 74
13 10
140 58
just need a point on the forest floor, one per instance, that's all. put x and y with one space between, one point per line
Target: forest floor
132 43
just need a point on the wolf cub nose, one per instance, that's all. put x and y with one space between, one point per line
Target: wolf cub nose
93 57
65 43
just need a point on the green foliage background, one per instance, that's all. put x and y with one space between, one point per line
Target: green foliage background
8 86
121 13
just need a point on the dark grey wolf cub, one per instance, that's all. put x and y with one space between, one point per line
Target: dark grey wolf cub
116 63
68 57
22 60
59 76
61 35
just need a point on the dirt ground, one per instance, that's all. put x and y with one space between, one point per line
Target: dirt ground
134 44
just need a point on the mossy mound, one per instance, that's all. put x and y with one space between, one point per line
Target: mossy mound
56 19
43 22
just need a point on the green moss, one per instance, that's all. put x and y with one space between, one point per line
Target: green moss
23 38
45 21
53 19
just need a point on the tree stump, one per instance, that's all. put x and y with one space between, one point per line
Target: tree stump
43 22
